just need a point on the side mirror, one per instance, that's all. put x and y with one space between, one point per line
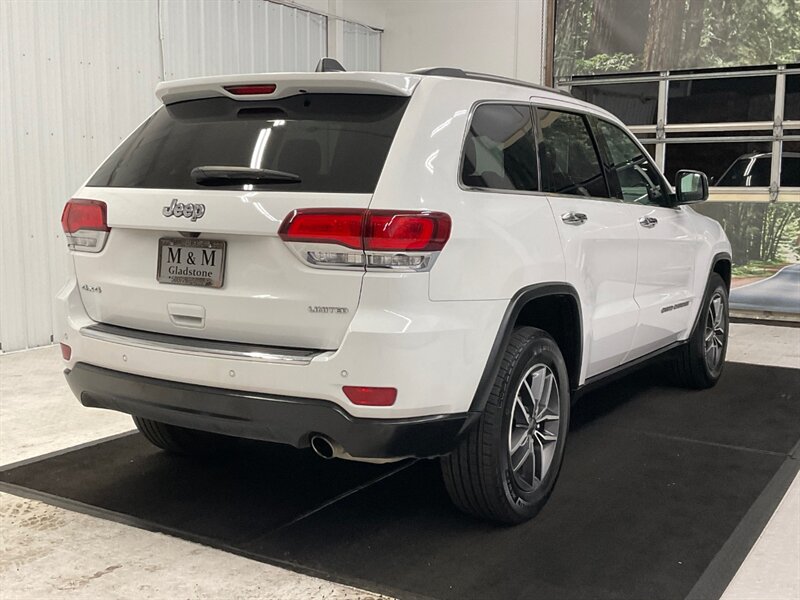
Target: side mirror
691 187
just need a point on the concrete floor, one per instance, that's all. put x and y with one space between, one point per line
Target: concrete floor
48 551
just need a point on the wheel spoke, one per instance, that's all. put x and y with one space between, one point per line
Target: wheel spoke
547 392
524 411
545 436
550 417
520 442
716 308
528 389
536 467
525 455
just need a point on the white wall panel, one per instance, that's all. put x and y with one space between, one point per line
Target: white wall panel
75 78
362 48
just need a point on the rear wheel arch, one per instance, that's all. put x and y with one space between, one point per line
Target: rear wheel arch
551 307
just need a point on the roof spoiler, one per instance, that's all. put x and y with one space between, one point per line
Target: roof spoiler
272 86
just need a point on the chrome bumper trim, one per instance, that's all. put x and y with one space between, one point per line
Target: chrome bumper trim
196 347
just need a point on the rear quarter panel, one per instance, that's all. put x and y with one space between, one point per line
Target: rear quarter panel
500 242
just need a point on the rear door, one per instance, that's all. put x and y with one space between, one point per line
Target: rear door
598 237
668 243
200 255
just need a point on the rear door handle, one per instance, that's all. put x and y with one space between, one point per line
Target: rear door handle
573 218
648 222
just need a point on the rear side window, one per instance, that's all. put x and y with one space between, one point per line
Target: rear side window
568 156
333 142
500 151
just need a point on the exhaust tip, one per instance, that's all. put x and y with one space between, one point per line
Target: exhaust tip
322 447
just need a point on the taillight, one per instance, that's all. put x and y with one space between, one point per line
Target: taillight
387 230
66 351
85 223
383 239
370 396
331 226
251 90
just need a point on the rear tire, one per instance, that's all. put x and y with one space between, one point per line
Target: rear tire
700 362
178 440
507 466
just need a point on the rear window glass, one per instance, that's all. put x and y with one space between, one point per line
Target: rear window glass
500 150
333 142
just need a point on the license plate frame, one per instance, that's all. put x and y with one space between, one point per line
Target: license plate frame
216 276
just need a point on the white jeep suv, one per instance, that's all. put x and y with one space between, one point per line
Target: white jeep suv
382 266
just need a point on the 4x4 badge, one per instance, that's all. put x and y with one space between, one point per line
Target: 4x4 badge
188 210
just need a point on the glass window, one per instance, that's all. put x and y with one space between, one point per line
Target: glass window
727 99
569 159
632 103
500 149
334 142
791 105
713 158
639 181
790 164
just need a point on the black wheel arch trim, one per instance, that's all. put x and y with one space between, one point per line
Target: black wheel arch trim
506 329
719 256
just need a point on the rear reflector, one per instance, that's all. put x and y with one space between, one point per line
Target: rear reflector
371 230
66 351
251 90
370 396
84 215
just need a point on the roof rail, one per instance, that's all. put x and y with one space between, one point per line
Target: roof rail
460 73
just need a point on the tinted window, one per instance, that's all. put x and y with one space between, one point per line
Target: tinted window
638 179
723 99
499 151
334 142
748 171
790 168
713 159
633 103
568 156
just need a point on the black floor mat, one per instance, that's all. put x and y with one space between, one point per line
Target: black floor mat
655 482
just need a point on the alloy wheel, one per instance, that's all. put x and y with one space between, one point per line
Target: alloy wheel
715 332
533 427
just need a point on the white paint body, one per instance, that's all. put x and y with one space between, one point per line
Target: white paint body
428 334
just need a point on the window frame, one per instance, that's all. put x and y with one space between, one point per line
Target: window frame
460 167
611 172
778 130
540 138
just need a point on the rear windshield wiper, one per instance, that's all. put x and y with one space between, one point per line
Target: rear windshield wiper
232 175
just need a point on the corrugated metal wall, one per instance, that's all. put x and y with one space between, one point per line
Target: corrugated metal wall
239 36
75 78
362 48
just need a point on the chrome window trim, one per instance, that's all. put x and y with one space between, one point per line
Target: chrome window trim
197 347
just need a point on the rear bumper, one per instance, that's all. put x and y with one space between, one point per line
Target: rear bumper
433 353
264 417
